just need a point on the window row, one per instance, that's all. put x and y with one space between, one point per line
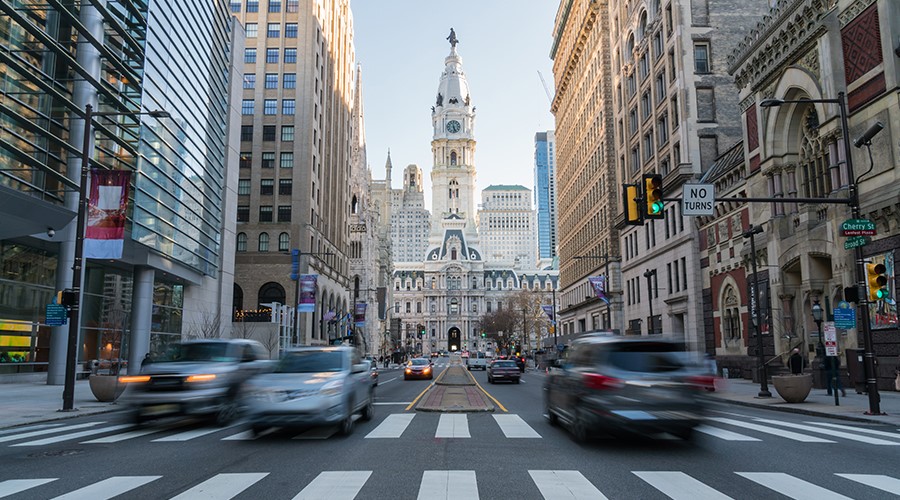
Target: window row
266 213
273 30
266 187
284 242
270 81
290 55
273 6
270 133
267 160
270 107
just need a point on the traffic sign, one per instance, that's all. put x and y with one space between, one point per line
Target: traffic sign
697 199
844 315
57 315
830 334
858 227
855 241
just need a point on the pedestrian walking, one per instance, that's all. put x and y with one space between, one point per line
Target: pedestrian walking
832 373
796 362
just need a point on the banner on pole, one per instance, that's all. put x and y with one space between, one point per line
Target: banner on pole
104 232
599 285
359 316
307 302
548 310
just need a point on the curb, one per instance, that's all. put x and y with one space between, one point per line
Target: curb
60 415
802 411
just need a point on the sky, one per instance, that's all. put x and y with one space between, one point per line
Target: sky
401 46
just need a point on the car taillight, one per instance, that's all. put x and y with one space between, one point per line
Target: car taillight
600 382
702 381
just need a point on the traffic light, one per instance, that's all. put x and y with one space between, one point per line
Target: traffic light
877 282
631 196
483 335
653 196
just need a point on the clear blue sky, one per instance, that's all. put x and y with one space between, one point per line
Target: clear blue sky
401 45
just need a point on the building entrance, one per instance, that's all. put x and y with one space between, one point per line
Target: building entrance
453 340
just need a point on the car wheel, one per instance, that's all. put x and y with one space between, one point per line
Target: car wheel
227 412
346 426
517 380
368 412
579 428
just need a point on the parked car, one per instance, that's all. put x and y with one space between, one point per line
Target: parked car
418 368
503 369
618 384
198 377
312 387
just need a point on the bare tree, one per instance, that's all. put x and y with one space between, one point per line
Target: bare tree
208 326
271 341
241 330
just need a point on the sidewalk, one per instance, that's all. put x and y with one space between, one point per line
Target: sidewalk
818 403
33 402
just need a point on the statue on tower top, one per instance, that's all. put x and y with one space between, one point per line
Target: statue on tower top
452 38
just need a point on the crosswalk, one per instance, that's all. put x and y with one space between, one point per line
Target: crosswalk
455 484
734 428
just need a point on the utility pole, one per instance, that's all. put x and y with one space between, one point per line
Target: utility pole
650 274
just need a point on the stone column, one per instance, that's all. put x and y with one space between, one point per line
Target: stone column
141 315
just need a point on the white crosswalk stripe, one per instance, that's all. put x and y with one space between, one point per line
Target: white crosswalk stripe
772 430
831 433
448 485
564 485
393 426
74 435
453 425
514 427
222 486
108 488
883 483
680 486
43 432
859 429
116 438
344 485
28 428
13 486
791 486
187 435
724 434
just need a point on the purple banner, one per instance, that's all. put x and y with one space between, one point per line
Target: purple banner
359 316
307 302
548 310
599 284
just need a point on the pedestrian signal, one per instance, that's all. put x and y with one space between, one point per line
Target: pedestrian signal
631 197
877 282
653 196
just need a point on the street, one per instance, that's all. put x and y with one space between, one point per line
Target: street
512 454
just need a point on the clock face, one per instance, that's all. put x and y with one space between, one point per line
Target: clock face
453 126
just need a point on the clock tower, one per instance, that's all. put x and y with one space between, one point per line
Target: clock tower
453 147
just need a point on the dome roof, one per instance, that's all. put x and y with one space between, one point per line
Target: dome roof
453 90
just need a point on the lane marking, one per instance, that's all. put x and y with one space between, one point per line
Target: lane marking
115 438
564 485
723 434
222 486
27 428
883 483
15 437
832 433
108 488
74 435
392 427
514 427
859 429
486 393
774 431
790 486
188 435
453 425
13 486
448 485
680 486
333 485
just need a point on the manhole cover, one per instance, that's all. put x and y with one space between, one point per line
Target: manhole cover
57 453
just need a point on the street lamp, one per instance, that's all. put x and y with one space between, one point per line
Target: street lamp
74 317
862 304
754 304
650 274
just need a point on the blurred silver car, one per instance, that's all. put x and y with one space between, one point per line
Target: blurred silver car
310 387
198 377
639 385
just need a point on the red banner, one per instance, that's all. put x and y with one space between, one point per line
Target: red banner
107 206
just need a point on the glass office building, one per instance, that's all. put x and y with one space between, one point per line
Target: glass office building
125 59
545 193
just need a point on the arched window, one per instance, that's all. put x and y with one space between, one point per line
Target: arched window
263 242
730 317
453 254
354 205
284 242
629 49
453 158
815 158
237 299
271 292
642 26
242 242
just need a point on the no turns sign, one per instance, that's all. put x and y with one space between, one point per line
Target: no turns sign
698 199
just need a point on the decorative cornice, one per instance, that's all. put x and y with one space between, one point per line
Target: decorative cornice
747 102
854 10
787 29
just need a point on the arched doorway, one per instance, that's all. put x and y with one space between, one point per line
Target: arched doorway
454 340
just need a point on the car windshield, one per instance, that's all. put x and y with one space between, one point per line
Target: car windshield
215 352
418 361
310 362
648 357
505 364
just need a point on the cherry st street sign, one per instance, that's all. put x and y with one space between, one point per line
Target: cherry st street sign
858 227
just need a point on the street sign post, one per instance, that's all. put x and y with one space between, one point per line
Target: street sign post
855 241
844 316
698 199
830 334
858 227
57 315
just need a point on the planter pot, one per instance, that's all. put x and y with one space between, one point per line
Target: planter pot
106 388
793 388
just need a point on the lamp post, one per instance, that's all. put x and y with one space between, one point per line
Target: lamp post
862 304
649 274
296 255
824 362
74 316
754 304
606 261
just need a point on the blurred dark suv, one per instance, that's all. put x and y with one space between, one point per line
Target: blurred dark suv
616 384
197 377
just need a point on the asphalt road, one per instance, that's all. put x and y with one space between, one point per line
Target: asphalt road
511 454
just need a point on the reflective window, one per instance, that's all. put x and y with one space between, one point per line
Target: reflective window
265 213
249 55
292 5
287 133
290 30
284 242
247 107
290 55
273 30
235 7
287 107
246 159
274 5
701 57
243 187
290 80
242 242
272 56
287 160
263 237
243 213
266 186
249 81
252 30
285 186
252 5
284 213
268 160
271 80
247 133
270 106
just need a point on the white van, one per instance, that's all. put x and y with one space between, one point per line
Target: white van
477 360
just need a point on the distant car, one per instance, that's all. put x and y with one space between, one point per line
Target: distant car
476 360
503 369
311 387
197 377
619 384
520 362
434 354
418 368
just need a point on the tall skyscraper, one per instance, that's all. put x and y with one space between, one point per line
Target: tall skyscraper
545 192
506 226
410 220
296 143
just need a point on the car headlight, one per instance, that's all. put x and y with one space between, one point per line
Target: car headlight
408 370
206 377
332 388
